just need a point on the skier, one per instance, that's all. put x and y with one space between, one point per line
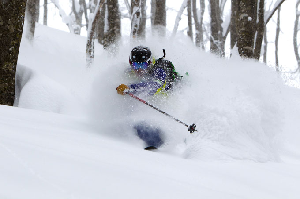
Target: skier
153 77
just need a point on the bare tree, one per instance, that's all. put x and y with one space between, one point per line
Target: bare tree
11 28
190 25
159 21
114 23
37 10
66 19
198 22
265 46
153 8
91 33
128 6
277 39
31 16
250 25
233 33
245 25
296 30
178 17
45 12
143 20
136 16
101 29
260 28
78 9
217 40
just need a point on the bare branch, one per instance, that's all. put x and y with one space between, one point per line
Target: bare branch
128 6
277 5
178 17
66 19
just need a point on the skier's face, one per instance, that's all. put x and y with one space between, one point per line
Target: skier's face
140 68
140 72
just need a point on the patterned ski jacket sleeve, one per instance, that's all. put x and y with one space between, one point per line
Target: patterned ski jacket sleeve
152 85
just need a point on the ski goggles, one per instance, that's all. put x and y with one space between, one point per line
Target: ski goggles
139 65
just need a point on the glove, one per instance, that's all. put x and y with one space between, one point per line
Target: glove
121 88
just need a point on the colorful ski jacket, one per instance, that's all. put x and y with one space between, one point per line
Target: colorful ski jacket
159 79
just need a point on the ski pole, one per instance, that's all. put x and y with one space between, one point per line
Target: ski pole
191 128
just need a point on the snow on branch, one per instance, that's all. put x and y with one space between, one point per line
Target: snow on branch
65 18
271 13
178 17
127 6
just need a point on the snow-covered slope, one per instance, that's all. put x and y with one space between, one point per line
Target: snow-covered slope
72 136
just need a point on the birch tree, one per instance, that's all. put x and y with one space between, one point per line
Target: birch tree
138 19
65 18
178 17
12 15
78 9
91 33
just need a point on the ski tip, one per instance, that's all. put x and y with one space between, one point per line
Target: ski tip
150 148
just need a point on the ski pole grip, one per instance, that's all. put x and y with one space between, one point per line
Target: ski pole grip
192 128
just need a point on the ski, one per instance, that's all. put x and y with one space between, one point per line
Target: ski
150 148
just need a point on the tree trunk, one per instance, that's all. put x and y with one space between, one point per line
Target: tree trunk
178 17
197 24
245 25
190 27
128 7
91 34
45 12
142 29
136 16
30 19
202 10
37 10
101 25
260 29
114 23
11 28
153 8
265 46
233 33
85 13
78 12
160 18
277 39
216 37
295 41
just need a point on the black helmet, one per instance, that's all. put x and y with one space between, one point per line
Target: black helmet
140 54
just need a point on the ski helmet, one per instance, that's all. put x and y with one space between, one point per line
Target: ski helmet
140 54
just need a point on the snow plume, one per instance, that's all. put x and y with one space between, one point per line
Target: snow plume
236 105
242 109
